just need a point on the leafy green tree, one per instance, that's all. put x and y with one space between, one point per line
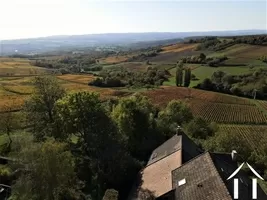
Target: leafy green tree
39 109
207 84
202 56
217 77
47 173
134 117
179 76
179 73
176 113
102 160
187 77
224 141
200 129
8 123
80 114
227 80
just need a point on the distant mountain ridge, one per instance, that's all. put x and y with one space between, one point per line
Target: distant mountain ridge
50 43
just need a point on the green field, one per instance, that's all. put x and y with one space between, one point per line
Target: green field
239 54
202 72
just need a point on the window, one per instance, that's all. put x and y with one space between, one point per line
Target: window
181 182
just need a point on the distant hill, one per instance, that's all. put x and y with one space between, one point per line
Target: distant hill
39 45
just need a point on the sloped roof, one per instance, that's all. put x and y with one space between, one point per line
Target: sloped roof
203 181
189 149
156 177
175 143
170 146
205 174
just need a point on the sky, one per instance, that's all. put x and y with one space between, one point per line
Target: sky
38 18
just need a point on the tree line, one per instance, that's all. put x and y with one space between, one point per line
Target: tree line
252 85
114 78
203 59
217 44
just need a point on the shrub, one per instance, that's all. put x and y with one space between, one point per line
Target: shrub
200 129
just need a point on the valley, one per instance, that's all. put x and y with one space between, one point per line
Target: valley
227 86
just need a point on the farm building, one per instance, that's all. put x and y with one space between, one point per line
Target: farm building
179 170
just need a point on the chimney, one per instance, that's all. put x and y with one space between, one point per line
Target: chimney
179 130
234 155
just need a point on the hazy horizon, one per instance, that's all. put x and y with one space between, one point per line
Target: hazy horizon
32 19
67 35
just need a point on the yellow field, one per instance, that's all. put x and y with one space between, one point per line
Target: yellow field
18 60
75 87
19 89
15 90
178 48
12 102
16 80
82 79
18 67
115 59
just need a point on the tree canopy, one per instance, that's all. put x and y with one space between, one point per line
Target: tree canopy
47 173
39 108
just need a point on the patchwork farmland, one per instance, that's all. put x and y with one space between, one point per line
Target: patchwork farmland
231 112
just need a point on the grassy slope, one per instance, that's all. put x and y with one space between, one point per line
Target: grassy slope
242 54
202 72
237 54
206 72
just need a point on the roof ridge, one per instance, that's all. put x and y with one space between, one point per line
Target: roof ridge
175 150
162 158
165 142
215 152
183 164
